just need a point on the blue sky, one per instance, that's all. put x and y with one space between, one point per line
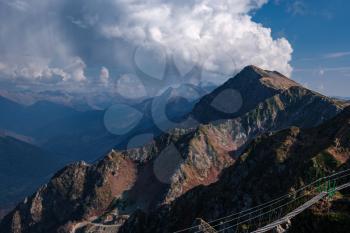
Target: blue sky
319 33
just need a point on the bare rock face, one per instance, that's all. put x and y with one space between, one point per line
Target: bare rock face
271 166
77 192
171 173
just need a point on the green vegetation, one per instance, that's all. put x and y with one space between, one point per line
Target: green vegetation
326 161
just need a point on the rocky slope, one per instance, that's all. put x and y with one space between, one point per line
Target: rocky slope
162 171
271 166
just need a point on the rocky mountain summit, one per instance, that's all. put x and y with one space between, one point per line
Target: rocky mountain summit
164 177
241 94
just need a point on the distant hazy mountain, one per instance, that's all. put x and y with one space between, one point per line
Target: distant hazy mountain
23 167
28 119
9 110
342 97
82 135
177 164
92 100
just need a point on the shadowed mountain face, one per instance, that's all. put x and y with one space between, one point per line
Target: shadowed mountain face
23 167
271 166
28 120
247 106
54 127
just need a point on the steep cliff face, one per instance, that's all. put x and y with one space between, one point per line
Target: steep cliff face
142 179
269 167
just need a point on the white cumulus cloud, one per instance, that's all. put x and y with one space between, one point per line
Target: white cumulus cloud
222 32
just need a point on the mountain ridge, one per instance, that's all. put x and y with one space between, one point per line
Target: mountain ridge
270 163
201 154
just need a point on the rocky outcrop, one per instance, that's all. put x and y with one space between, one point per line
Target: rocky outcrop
77 192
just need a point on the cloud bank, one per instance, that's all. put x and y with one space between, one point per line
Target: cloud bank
84 41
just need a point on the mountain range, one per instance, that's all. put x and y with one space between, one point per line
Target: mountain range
272 165
19 169
257 121
62 135
82 135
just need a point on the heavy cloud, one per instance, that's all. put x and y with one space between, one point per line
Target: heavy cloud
83 41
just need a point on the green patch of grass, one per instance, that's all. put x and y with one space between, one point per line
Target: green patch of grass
326 161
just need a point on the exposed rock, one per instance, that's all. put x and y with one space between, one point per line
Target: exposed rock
257 177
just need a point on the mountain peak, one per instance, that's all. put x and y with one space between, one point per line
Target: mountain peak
271 79
244 91
253 68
